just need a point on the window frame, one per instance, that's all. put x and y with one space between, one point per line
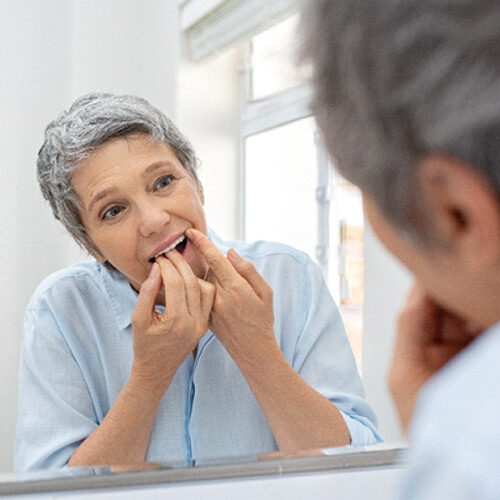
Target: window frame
260 115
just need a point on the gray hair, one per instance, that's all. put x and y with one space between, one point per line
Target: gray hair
396 80
91 121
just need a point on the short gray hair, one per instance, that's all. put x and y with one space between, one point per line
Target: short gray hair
396 80
90 122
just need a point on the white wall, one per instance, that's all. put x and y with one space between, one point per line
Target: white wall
34 69
386 286
208 112
127 46
52 51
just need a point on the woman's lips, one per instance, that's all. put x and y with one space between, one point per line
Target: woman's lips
172 245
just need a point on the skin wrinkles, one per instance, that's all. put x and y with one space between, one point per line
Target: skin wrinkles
149 196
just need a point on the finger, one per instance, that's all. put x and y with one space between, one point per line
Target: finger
207 296
191 284
220 266
417 297
175 294
453 330
437 324
440 354
146 301
449 326
210 277
420 316
247 271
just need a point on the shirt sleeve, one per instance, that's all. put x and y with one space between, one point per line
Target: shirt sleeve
445 464
55 411
324 359
443 477
454 434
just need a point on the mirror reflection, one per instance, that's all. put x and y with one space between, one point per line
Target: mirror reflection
173 344
263 176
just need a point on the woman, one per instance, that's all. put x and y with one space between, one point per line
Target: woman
407 95
163 348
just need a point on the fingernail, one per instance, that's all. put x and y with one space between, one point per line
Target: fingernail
195 233
154 271
234 254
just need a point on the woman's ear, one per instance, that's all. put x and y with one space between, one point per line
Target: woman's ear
464 209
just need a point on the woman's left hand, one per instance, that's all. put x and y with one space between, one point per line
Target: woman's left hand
243 321
242 314
428 337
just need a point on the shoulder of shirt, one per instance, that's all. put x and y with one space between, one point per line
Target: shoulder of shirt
259 249
472 372
75 275
480 355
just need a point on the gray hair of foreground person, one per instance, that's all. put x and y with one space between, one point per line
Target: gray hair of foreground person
397 80
90 122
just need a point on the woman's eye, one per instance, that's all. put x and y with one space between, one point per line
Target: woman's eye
111 212
163 182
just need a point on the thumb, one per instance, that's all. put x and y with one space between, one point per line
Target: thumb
144 309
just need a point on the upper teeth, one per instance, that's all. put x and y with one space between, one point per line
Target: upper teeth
172 245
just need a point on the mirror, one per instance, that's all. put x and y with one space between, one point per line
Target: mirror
349 473
50 54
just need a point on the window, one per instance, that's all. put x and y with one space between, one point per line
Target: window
279 186
272 67
287 190
290 192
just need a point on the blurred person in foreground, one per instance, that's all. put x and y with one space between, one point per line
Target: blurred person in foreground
407 95
171 345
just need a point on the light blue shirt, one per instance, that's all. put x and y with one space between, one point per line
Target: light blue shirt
77 355
455 433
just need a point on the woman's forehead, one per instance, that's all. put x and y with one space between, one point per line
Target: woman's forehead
131 150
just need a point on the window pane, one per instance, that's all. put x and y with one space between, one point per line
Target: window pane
280 184
280 205
273 60
347 269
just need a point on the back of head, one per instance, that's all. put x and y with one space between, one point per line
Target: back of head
396 80
90 122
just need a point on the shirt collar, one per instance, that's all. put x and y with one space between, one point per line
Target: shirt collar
121 296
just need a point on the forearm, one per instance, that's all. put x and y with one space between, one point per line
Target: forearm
299 417
123 436
242 318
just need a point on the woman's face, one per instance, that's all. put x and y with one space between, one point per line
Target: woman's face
137 198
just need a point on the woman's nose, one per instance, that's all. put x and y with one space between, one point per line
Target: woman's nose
152 218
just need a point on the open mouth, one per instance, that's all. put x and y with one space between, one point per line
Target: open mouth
179 244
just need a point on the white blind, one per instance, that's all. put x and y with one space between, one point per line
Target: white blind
214 25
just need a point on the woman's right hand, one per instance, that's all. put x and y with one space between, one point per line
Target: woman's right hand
162 342
428 337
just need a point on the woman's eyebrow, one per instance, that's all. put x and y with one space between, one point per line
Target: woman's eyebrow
112 190
157 165
99 196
